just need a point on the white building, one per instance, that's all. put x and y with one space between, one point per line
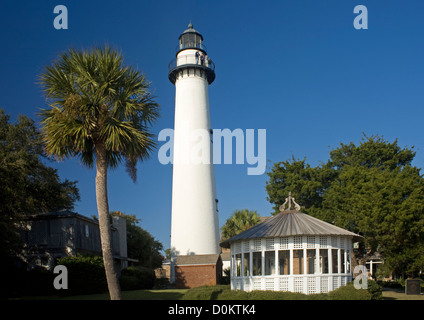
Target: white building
194 225
291 251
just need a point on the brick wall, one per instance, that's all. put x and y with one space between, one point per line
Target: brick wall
190 276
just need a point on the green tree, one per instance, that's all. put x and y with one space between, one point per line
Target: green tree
241 220
305 182
141 244
28 185
100 111
371 189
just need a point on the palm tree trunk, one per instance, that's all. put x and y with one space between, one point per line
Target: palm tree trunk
104 223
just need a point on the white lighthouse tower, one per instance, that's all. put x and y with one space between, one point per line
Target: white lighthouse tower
194 225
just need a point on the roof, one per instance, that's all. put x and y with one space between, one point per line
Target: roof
191 30
196 259
290 223
60 214
225 256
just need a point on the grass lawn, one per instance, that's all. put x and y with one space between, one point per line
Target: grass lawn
163 294
399 294
176 294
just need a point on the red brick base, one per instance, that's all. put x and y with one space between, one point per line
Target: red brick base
190 276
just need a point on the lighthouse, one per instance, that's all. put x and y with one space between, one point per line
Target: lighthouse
194 222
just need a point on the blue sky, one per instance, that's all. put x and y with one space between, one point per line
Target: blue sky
298 69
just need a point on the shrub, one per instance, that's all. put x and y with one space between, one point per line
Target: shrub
221 292
228 294
348 292
38 281
392 284
137 278
284 295
162 283
375 290
276 295
205 292
86 275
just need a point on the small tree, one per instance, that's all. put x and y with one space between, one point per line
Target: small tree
241 220
141 244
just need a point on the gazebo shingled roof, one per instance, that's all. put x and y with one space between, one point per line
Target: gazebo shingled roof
290 223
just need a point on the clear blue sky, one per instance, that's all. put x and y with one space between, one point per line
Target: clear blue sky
297 68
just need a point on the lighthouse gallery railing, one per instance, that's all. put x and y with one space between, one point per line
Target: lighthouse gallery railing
191 60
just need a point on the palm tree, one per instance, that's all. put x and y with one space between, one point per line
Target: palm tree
240 221
100 111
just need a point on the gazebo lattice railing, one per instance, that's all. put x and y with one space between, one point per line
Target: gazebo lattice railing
306 264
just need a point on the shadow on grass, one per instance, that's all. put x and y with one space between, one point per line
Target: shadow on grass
174 294
165 294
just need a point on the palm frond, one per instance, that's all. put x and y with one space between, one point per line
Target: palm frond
95 98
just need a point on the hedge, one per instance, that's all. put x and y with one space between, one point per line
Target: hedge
223 292
86 275
137 278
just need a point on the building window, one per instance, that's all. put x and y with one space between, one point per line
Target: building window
284 243
335 260
297 261
238 264
257 264
323 241
87 231
323 262
297 242
269 244
284 262
269 263
311 261
342 255
257 246
246 263
310 241
347 261
237 247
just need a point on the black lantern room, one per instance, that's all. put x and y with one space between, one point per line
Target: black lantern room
191 39
191 57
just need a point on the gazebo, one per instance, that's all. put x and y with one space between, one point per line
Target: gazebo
291 251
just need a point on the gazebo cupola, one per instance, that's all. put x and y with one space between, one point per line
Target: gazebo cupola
291 251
